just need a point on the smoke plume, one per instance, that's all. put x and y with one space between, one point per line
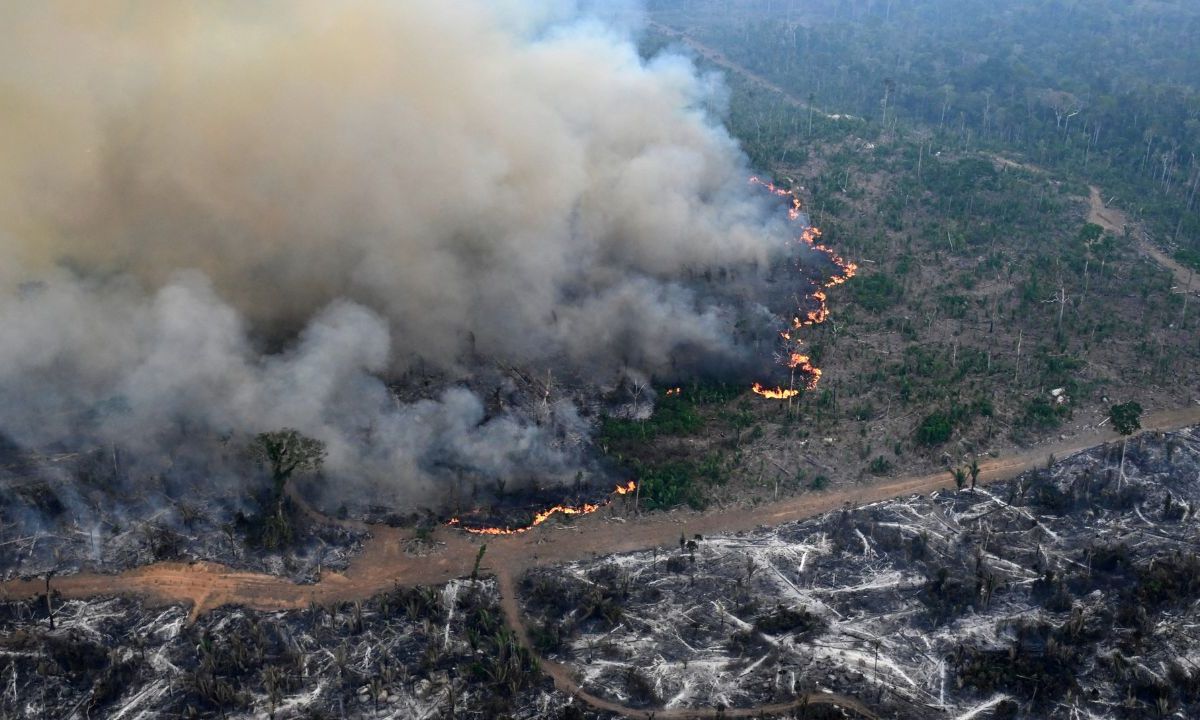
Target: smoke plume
221 218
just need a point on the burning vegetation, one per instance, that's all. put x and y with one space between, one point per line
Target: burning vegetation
240 280
354 304
794 360
542 516
792 356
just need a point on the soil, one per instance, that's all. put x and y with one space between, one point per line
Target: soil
1116 222
384 561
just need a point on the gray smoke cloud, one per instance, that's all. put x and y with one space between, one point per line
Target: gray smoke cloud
230 217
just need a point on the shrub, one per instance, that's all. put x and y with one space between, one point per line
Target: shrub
935 429
669 485
876 293
1040 413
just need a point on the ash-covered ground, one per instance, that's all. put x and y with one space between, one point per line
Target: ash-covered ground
407 654
1066 593
65 512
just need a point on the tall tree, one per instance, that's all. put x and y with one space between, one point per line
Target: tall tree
1126 419
286 452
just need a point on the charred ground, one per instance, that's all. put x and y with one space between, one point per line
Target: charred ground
411 653
989 315
1067 590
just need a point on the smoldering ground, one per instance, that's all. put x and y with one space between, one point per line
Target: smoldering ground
224 218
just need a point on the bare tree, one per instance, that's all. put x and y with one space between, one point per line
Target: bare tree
49 607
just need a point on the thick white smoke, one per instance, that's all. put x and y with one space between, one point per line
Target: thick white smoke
381 184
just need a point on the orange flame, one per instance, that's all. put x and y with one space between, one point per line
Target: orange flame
794 210
544 515
774 394
845 270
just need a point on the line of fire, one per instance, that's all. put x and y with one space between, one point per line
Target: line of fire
792 357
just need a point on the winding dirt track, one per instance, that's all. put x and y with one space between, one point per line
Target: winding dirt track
384 563
1116 222
718 58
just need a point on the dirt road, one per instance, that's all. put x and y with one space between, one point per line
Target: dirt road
384 562
1115 222
719 59
1111 219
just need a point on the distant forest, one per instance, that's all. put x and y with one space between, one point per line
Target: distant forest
1107 91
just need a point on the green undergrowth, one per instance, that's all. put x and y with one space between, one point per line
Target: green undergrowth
686 444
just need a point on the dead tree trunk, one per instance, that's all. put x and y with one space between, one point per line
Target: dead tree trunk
49 607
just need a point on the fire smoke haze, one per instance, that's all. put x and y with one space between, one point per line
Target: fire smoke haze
380 184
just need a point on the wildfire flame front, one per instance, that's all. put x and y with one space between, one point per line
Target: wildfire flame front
774 393
797 361
544 515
